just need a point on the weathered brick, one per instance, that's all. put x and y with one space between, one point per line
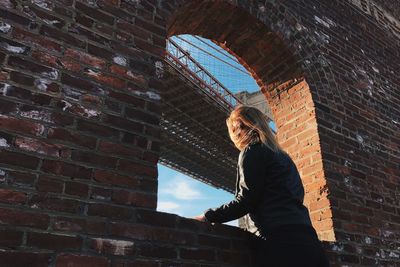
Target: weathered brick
66 169
112 246
93 159
141 116
14 17
117 149
135 199
24 258
49 184
12 197
122 123
72 137
109 211
61 36
33 67
22 218
76 189
81 84
128 99
111 178
53 241
40 147
85 58
101 77
197 254
155 251
46 202
95 13
18 159
129 74
10 238
137 168
13 47
35 40
80 260
152 217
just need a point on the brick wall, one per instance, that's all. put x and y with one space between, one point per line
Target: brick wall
81 83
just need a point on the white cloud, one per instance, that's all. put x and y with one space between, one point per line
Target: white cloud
181 188
168 206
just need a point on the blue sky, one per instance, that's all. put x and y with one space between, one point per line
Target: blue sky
178 193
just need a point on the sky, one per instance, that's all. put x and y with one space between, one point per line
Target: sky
180 194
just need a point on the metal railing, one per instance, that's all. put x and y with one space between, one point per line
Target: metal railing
183 62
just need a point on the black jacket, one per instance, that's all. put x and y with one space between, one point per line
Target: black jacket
268 189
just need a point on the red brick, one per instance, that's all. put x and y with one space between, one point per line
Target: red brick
85 58
83 84
100 193
21 179
61 36
94 159
70 64
152 217
109 80
18 159
22 218
72 137
111 178
112 246
142 116
137 168
123 123
197 254
135 263
21 125
12 197
43 201
96 129
69 224
13 258
37 146
95 13
29 66
135 199
117 149
49 184
109 211
35 40
66 169
128 99
79 260
76 189
156 251
129 74
53 241
143 232
10 238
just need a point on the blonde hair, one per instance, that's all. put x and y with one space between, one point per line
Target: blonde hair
248 125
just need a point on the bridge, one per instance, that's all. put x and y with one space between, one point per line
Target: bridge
195 136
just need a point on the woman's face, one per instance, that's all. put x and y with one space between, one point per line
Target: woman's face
235 130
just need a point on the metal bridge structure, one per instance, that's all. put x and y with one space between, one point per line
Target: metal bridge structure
195 106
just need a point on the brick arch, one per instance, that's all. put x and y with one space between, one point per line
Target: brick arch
270 51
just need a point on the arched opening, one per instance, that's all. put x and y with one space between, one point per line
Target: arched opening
195 57
281 78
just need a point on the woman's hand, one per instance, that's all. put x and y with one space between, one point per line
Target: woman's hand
200 218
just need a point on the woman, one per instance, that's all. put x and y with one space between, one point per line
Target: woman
269 190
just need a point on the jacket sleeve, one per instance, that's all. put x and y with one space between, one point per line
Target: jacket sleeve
251 184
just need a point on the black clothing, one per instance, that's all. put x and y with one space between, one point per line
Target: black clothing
268 188
291 246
